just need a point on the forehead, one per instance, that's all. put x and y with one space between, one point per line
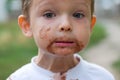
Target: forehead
55 2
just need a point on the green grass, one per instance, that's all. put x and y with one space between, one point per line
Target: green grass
116 65
17 50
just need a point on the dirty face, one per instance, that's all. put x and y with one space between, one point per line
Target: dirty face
63 28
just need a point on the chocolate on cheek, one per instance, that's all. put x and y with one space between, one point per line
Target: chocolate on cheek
44 32
81 45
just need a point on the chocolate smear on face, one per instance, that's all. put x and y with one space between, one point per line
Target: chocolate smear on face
81 45
44 31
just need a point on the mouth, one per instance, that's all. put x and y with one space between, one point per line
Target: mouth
64 43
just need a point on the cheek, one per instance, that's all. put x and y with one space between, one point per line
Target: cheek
83 34
41 35
44 32
82 40
81 45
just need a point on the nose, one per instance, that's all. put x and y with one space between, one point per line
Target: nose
65 28
65 25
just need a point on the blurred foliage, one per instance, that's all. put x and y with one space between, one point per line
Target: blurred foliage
8 5
98 34
117 65
17 50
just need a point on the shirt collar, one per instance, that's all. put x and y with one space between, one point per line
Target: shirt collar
71 73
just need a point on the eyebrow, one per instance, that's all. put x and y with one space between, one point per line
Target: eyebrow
49 2
82 3
42 4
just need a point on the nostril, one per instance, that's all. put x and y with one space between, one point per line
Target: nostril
65 28
69 29
62 29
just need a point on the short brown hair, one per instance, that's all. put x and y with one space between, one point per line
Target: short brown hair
27 3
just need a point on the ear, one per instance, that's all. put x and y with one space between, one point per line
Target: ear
93 21
25 26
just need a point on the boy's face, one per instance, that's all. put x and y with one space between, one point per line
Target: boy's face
61 27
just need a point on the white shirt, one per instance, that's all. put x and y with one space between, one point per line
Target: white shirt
82 71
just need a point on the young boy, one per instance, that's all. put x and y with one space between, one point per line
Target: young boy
60 28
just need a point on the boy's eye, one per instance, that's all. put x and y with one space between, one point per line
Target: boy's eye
78 15
49 15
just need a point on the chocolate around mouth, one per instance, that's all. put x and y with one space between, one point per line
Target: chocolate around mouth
64 43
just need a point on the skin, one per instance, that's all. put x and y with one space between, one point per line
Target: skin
59 30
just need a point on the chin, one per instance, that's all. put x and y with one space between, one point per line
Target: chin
64 52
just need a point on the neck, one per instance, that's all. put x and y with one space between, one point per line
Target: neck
55 63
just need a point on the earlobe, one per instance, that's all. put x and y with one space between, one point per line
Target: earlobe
93 21
25 26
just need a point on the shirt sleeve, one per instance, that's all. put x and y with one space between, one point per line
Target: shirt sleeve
9 78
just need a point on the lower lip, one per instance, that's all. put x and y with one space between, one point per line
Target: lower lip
64 44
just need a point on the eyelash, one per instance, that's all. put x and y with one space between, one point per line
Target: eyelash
51 14
78 15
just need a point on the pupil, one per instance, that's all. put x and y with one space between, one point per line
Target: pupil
77 15
49 15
